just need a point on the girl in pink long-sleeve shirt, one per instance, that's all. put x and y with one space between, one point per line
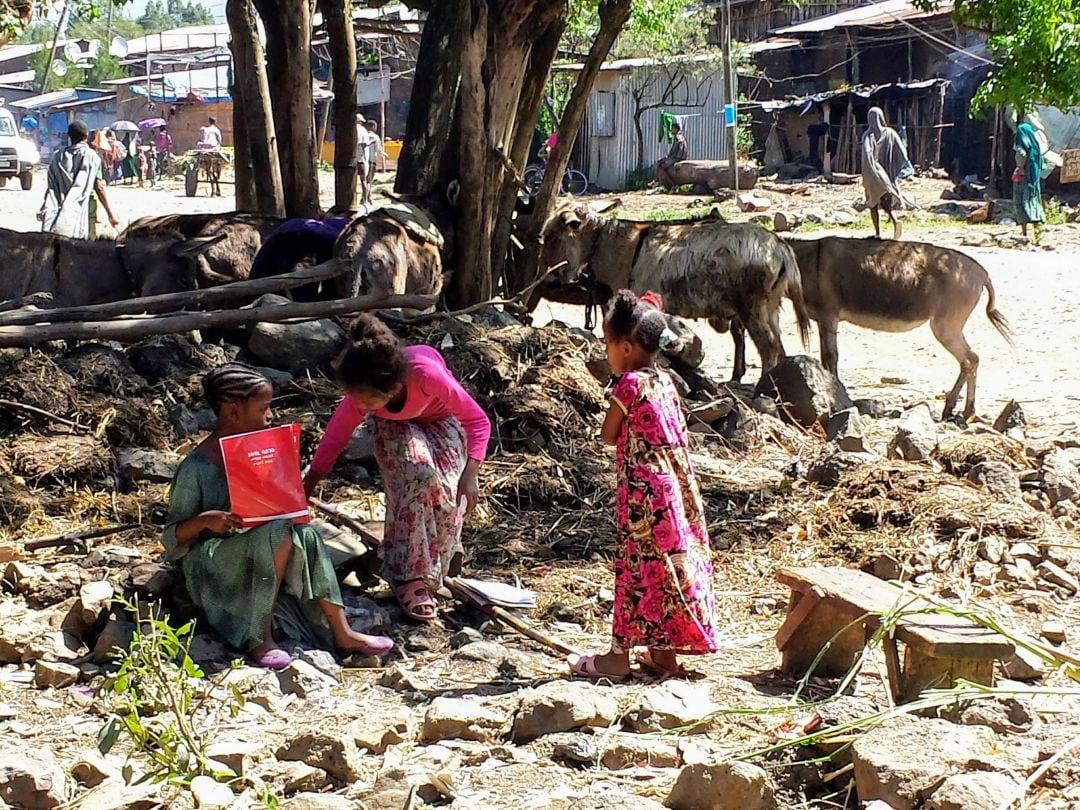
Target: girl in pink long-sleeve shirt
430 439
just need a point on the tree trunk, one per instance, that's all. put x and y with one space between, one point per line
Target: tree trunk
613 16
243 175
337 16
288 66
255 141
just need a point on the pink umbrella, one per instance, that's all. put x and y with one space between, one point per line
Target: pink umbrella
152 123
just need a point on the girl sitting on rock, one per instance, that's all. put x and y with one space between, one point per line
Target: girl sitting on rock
430 439
663 573
243 580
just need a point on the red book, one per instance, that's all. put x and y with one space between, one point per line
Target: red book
263 472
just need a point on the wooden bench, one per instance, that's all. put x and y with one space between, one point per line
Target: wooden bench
846 606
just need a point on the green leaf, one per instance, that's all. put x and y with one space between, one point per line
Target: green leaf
127 772
109 734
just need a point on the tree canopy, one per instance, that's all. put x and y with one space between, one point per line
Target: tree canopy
161 16
1035 45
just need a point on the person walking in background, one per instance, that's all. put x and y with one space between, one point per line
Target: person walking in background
883 159
162 148
363 166
1027 180
210 135
375 148
679 152
74 176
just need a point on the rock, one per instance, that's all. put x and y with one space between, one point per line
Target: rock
752 203
114 794
491 652
236 755
983 572
93 769
381 727
871 408
991 549
1011 416
17 571
1061 481
916 437
54 675
299 777
560 706
980 790
1024 665
360 451
312 344
712 412
322 661
829 467
207 651
601 369
1056 575
151 578
113 641
50 589
278 378
785 221
55 645
302 679
671 704
1025 551
463 719
1019 571
1004 716
998 478
765 405
887 567
632 750
808 392
845 430
391 791
903 760
135 464
616 800
94 601
335 754
31 780
210 794
1053 631
465 636
184 422
720 786
579 748
327 801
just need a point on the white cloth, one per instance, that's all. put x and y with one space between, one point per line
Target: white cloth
209 137
363 144
375 147
72 173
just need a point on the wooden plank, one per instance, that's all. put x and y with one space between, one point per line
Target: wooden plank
936 634
796 616
1070 166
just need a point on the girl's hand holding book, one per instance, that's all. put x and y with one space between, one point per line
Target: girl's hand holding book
220 522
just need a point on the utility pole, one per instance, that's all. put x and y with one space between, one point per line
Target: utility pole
731 91
52 50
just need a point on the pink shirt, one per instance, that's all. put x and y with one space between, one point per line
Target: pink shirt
433 394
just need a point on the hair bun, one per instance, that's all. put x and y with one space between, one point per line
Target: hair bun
625 301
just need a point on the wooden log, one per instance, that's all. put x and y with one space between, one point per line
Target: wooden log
165 302
38 299
77 539
136 329
713 174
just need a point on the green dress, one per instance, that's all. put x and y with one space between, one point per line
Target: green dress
232 577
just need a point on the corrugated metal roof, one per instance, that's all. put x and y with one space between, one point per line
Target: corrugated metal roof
46 101
192 38
641 62
882 13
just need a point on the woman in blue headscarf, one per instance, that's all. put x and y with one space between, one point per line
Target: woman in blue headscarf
1027 179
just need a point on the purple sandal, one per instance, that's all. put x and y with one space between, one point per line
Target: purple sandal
273 659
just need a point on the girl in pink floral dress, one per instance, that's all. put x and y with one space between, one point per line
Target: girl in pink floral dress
663 573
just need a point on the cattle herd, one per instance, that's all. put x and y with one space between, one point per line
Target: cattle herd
733 275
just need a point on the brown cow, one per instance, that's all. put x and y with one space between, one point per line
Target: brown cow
704 269
895 287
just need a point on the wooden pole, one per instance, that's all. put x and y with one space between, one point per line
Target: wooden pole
136 329
178 300
731 90
77 539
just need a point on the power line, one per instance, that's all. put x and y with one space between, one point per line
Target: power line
950 45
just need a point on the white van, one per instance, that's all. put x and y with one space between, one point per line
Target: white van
18 156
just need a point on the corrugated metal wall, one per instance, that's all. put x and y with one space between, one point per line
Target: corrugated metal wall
608 160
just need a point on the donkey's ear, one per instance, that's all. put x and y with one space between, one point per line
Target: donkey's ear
603 206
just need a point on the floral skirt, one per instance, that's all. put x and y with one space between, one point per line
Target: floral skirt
421 466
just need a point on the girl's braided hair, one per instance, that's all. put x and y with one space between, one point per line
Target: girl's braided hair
232 382
639 319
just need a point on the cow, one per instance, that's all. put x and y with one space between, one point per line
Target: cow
79 272
703 269
893 286
239 237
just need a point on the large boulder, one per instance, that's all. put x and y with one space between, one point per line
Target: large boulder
312 344
722 786
31 780
981 790
560 706
808 394
463 719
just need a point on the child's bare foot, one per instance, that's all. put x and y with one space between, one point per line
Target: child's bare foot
664 662
612 666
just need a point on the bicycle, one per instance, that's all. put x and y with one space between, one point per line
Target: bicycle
573 181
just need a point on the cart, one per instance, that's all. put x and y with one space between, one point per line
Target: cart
208 163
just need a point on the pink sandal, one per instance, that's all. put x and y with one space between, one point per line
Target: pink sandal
416 600
585 666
